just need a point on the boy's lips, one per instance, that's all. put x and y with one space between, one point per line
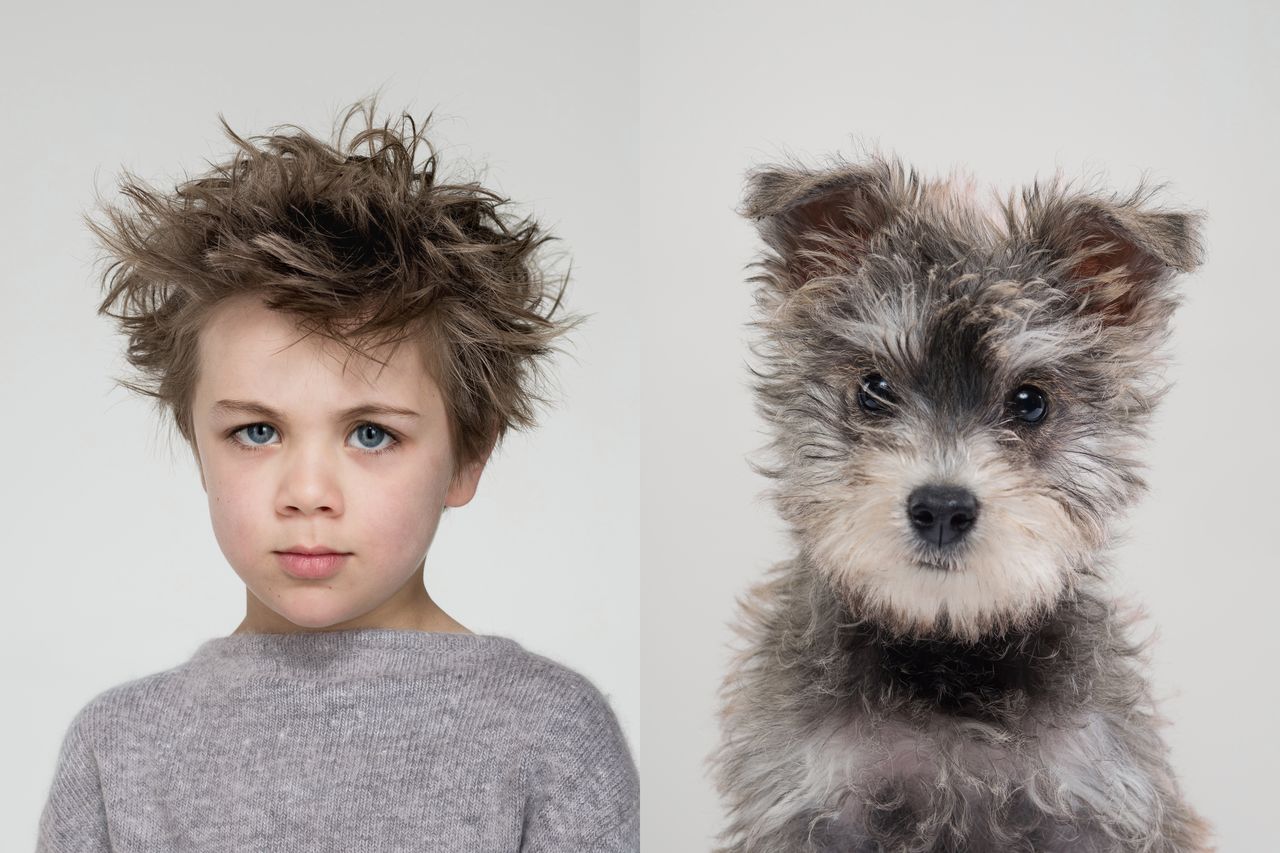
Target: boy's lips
317 566
311 550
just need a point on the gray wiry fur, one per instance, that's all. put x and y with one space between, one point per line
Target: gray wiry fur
893 695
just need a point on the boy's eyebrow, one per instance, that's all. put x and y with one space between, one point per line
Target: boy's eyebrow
251 407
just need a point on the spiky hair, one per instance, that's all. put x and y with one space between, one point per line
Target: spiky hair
360 243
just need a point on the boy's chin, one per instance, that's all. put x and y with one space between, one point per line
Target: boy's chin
314 608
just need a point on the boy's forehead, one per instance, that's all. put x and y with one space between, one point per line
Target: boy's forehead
245 346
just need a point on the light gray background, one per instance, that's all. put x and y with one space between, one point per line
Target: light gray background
112 569
629 130
1007 91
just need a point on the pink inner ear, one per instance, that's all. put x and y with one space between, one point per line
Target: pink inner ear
829 235
1113 281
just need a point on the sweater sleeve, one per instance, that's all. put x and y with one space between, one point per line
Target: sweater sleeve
584 791
74 819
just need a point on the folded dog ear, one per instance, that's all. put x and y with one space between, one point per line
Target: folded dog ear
821 222
1115 256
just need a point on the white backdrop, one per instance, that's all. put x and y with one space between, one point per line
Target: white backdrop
616 537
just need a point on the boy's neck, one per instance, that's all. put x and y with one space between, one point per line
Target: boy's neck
412 609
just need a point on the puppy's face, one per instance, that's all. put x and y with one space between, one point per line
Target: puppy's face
957 397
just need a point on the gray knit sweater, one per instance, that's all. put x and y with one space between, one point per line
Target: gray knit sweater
370 740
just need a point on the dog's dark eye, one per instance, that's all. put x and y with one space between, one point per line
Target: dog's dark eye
875 395
1028 403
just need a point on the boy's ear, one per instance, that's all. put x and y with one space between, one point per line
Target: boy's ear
466 480
1114 257
821 222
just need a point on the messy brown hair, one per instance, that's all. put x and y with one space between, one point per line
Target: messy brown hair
362 244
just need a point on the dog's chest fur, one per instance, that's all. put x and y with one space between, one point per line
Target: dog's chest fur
964 731
993 682
866 741
941 768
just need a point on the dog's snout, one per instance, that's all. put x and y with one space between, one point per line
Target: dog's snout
942 515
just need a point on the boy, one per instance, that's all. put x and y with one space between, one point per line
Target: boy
341 340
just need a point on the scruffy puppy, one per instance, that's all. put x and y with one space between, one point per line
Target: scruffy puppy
957 398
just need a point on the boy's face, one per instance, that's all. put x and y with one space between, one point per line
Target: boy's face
370 485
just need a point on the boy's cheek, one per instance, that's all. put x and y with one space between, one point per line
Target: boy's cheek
241 514
406 519
233 527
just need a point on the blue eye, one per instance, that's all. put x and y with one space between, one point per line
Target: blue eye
370 432
252 428
363 431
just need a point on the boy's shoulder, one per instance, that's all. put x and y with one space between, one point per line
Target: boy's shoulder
527 671
136 697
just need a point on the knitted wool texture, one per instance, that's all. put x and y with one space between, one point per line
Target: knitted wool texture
367 740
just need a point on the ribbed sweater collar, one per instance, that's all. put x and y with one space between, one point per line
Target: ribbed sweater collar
341 655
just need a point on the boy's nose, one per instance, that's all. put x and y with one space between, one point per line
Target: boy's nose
309 486
942 514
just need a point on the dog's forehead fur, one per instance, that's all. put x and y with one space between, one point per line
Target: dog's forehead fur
957 296
952 266
953 329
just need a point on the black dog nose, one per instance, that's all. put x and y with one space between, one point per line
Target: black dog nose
942 514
